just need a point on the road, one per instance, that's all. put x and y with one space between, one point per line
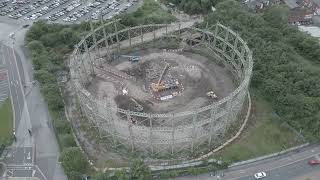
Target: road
291 166
30 155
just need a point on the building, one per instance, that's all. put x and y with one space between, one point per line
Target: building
300 16
311 5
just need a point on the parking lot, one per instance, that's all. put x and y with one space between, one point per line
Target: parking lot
65 11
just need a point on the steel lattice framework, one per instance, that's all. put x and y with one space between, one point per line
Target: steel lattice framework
188 130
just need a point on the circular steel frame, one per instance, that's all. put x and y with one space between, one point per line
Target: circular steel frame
188 131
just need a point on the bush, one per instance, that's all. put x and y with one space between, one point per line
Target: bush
66 140
62 126
138 170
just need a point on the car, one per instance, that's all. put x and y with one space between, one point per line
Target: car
260 175
314 162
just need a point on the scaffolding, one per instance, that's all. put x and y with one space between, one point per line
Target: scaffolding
189 131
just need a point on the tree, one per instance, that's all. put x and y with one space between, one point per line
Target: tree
73 161
68 37
43 76
50 39
67 140
36 46
282 56
74 175
277 16
52 95
36 31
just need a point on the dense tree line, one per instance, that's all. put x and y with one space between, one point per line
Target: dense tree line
286 62
48 44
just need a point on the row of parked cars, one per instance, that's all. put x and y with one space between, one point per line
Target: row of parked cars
34 9
46 9
9 6
25 10
64 11
77 14
103 10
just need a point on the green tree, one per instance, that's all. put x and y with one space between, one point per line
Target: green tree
52 95
36 46
73 162
68 37
67 140
36 31
277 16
43 76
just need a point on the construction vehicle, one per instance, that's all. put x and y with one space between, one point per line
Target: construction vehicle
138 107
164 85
132 58
212 94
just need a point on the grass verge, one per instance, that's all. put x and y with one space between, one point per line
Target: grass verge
6 122
264 134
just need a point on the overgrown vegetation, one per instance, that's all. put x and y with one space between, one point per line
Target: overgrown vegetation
138 170
265 134
286 63
6 124
206 167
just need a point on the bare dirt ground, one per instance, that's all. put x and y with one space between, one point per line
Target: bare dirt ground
196 74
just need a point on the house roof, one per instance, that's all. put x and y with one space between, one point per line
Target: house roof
299 14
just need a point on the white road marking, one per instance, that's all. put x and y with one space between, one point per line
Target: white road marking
29 156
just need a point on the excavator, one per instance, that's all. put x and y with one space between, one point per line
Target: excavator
132 58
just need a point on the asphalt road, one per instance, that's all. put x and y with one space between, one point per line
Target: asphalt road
29 155
290 166
16 92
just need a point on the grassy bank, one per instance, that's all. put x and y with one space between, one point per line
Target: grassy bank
6 123
264 134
